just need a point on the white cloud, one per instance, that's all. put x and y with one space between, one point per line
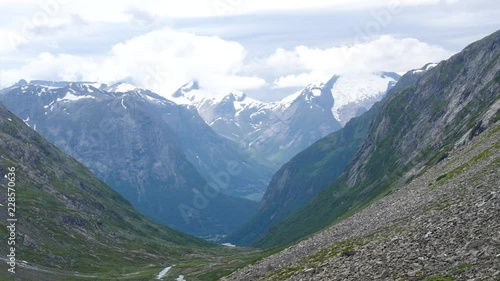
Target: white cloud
297 80
161 60
9 40
165 59
225 83
51 67
383 54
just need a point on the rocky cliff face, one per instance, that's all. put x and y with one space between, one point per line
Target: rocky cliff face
139 144
413 130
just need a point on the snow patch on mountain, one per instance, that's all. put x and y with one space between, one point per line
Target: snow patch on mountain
287 101
425 68
94 84
356 89
242 102
316 92
72 97
121 88
163 273
244 119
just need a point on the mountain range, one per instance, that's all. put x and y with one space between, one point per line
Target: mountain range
277 131
72 226
309 172
419 198
373 176
184 162
138 143
431 113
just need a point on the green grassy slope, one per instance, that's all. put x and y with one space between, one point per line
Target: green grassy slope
72 226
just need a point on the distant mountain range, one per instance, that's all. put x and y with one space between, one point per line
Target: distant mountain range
277 131
172 158
140 144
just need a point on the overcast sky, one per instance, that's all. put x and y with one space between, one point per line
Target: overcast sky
265 48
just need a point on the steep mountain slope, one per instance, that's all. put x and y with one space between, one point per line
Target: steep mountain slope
303 177
205 149
133 142
443 225
212 154
279 130
312 170
413 130
71 226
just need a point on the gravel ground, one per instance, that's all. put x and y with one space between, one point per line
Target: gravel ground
444 223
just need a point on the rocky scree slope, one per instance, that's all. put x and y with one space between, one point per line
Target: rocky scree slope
413 130
443 225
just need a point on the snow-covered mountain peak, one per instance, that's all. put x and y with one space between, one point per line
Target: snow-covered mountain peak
186 89
357 89
121 87
276 130
190 94
65 93
315 85
238 95
41 87
95 85
346 95
85 87
288 100
314 89
53 90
